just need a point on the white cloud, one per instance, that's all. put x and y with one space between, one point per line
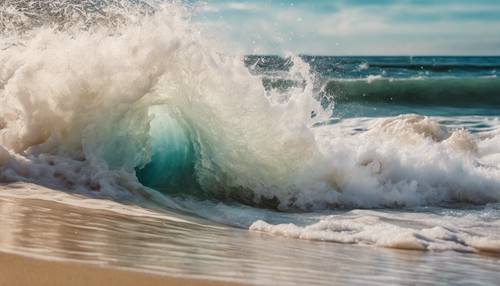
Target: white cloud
206 8
239 6
350 22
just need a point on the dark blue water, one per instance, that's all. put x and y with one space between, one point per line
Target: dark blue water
388 86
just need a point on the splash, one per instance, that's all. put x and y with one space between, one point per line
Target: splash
82 118
19 16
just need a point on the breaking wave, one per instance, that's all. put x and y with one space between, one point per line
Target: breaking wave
155 100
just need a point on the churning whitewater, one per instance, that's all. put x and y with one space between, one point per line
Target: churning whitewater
129 100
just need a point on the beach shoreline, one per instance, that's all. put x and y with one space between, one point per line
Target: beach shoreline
22 270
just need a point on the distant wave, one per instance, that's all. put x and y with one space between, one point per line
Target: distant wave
437 67
328 65
455 92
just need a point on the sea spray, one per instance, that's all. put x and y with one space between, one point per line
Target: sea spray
91 105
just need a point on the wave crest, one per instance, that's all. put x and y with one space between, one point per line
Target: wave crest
20 16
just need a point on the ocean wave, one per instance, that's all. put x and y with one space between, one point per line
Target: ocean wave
452 92
158 103
82 119
436 67
465 231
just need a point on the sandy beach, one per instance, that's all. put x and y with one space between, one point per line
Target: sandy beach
22 270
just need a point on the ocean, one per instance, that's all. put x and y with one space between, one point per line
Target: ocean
131 138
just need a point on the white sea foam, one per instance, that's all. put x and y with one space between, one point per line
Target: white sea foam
468 231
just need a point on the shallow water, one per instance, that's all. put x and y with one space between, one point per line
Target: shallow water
87 230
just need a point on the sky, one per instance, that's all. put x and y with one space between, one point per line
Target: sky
356 27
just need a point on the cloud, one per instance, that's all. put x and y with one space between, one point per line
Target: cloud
351 22
241 6
360 26
204 8
226 7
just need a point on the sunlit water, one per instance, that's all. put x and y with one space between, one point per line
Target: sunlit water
146 240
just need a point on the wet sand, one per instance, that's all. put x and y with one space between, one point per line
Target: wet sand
23 270
65 239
